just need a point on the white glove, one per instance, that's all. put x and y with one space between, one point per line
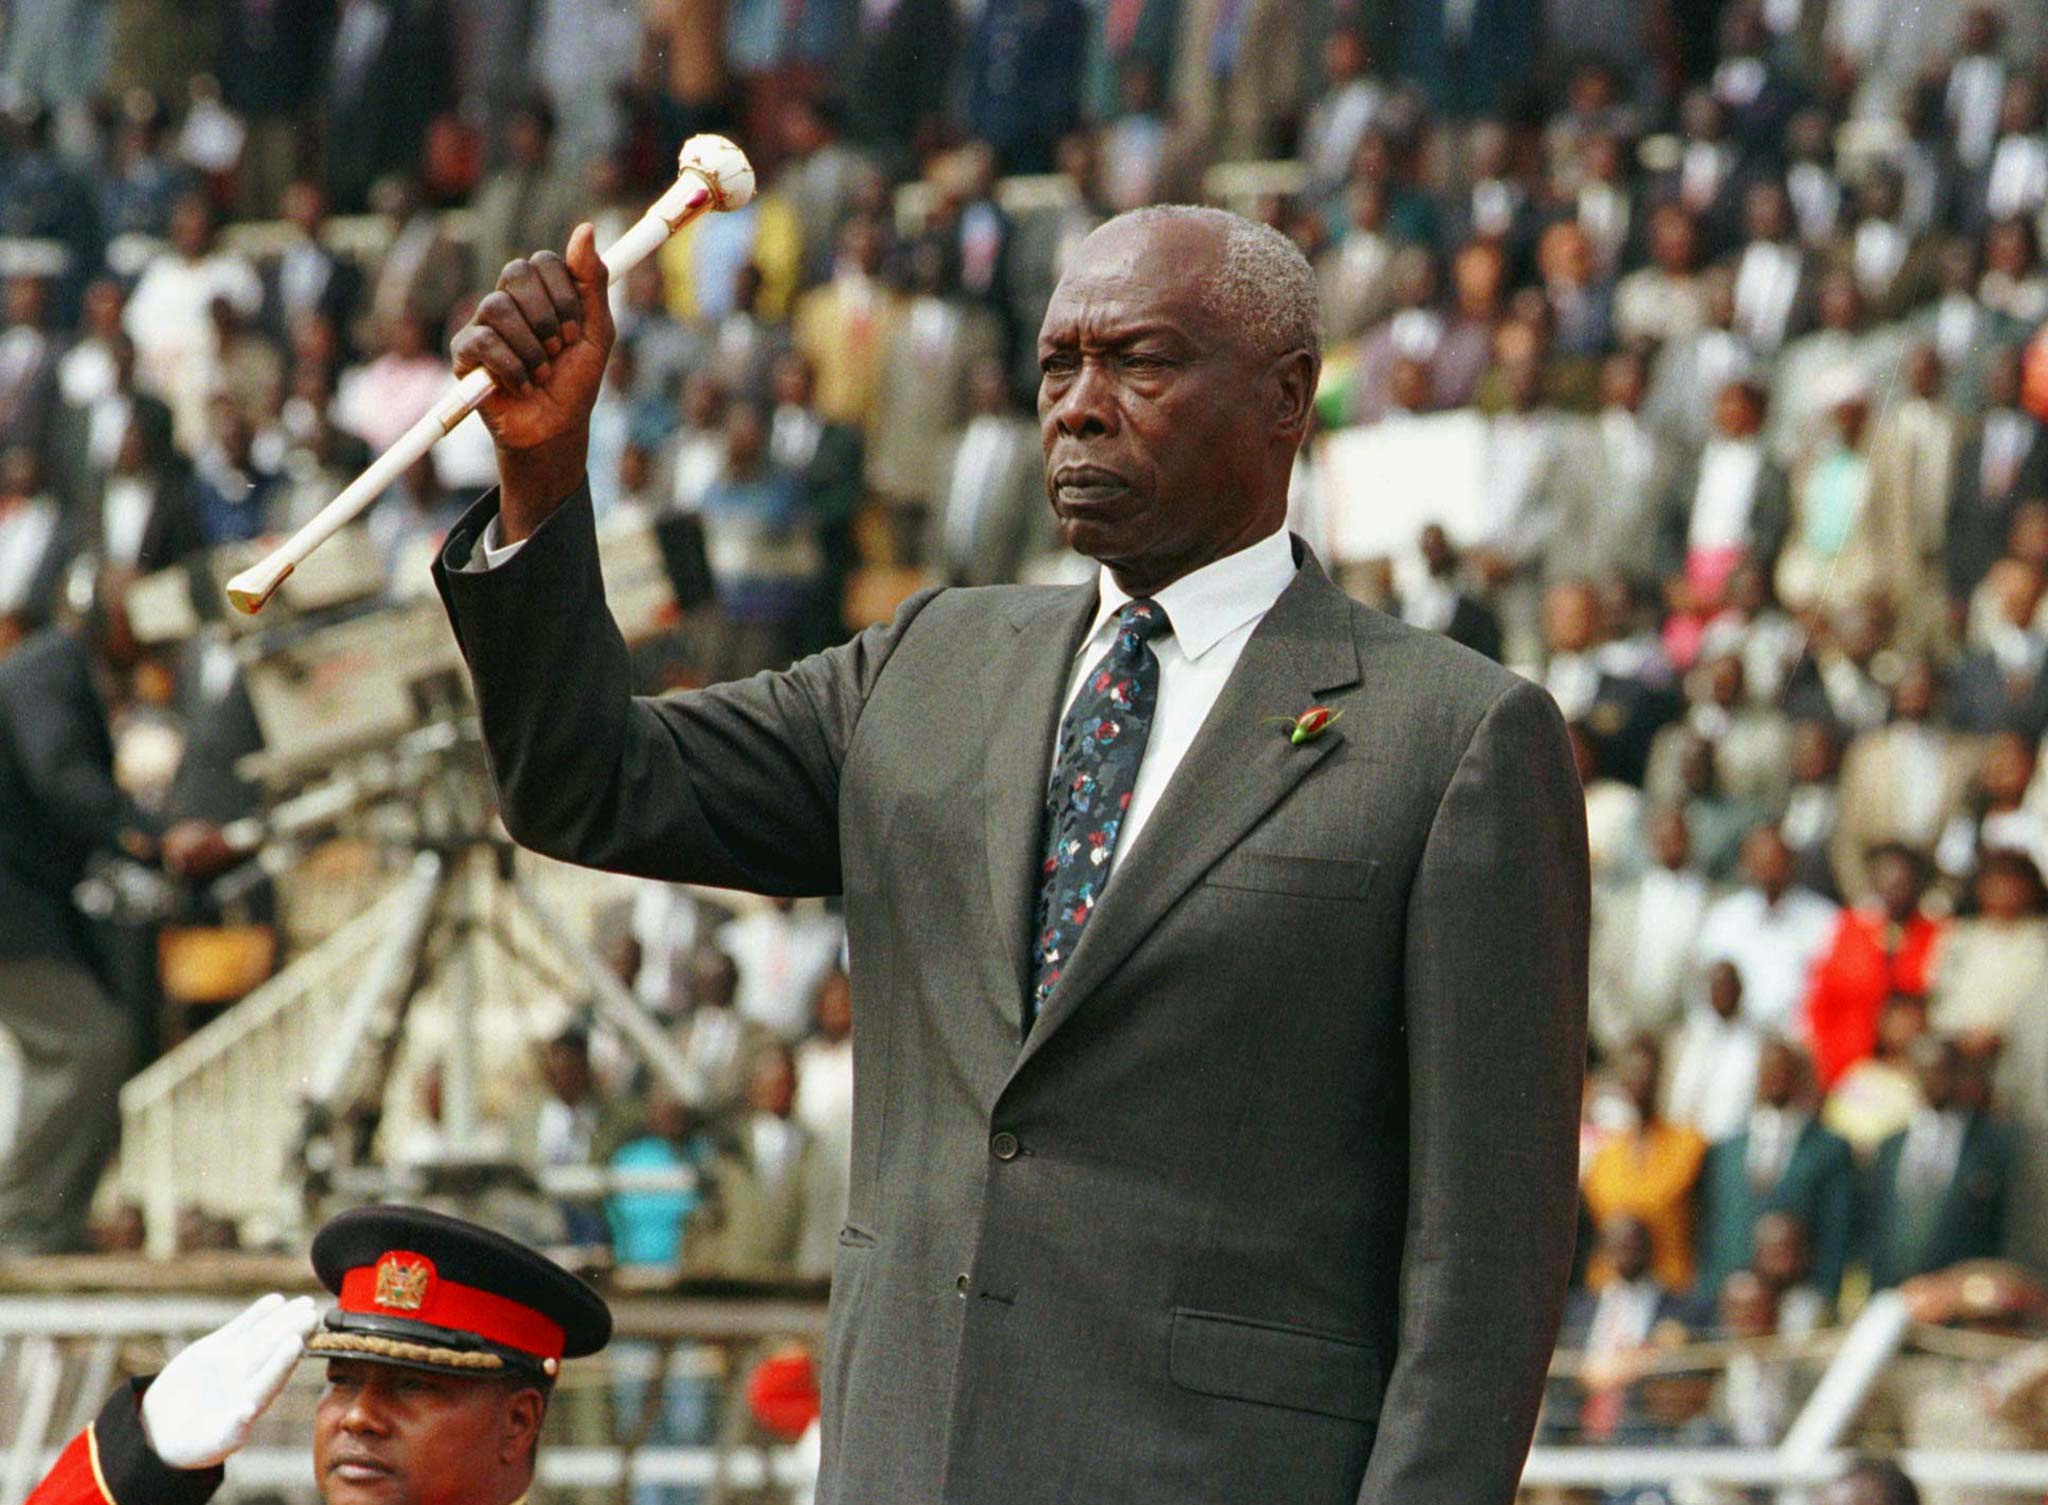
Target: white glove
205 1403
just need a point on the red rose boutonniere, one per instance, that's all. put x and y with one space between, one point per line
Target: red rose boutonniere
1309 725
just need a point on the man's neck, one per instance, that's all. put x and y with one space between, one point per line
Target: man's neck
1157 577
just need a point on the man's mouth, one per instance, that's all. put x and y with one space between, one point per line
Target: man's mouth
1084 486
360 1468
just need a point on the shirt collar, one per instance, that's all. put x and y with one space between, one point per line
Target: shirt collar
1208 604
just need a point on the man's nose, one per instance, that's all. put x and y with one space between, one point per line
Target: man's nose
1087 407
364 1414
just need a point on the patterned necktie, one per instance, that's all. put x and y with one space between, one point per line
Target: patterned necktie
1102 742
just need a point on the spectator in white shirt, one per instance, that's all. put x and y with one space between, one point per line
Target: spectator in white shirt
668 921
783 949
1339 119
574 1127
719 1047
1771 270
1645 936
31 550
1738 509
1714 1063
1974 98
693 458
1772 933
169 316
2015 183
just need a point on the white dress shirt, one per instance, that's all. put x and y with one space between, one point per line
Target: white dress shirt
1816 195
1623 1317
793 436
1976 84
1934 1145
782 958
1713 1073
1701 171
1725 495
1766 284
1631 455
26 534
124 518
1919 782
1213 612
564 1133
2018 183
1773 1135
1879 250
1670 908
1773 947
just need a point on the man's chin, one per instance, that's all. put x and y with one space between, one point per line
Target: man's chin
1106 540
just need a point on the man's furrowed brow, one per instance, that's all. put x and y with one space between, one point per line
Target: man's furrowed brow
1116 336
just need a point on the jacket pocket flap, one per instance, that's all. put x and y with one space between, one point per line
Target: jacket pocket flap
1241 1359
1284 873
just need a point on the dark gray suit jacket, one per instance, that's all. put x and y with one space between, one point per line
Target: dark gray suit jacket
1276 1201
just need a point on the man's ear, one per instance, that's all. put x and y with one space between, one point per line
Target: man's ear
524 1410
1294 392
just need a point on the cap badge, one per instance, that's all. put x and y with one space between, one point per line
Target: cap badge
402 1283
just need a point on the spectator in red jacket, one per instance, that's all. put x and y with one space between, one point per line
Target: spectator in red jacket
1879 948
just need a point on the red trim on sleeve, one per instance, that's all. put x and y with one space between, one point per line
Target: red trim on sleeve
75 1480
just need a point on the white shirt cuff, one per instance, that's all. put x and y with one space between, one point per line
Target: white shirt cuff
494 552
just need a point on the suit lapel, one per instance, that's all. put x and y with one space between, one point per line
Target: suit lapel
1237 769
1022 692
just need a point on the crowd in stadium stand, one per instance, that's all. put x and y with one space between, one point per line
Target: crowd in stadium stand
1684 356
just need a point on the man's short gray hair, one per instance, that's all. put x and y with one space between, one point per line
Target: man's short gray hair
1262 285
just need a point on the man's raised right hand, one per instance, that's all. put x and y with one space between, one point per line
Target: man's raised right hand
544 335
207 1400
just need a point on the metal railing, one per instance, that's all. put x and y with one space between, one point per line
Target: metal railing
216 1121
213 1120
61 1354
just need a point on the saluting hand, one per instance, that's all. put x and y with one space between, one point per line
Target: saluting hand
206 1402
544 335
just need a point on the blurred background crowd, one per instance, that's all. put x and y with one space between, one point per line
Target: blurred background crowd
1683 355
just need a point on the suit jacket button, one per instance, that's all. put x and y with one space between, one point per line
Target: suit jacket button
960 1285
1004 1146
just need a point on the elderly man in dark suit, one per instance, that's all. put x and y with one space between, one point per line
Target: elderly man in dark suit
1219 945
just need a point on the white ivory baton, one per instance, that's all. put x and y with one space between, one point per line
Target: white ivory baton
711 174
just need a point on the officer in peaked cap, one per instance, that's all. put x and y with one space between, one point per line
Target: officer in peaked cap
442 1351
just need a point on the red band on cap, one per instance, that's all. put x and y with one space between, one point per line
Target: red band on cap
403 1284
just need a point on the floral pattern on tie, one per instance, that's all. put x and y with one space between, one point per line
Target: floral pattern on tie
1102 742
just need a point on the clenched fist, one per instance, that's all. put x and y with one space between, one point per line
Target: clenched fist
544 336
